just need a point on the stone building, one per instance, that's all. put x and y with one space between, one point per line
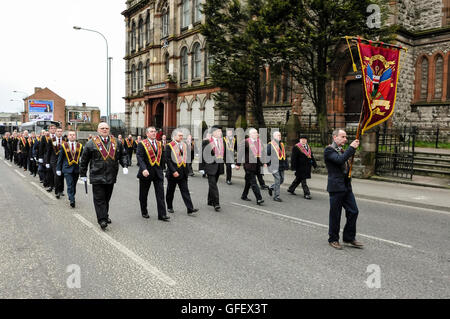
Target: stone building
56 106
167 81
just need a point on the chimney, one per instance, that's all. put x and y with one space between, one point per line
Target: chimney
36 89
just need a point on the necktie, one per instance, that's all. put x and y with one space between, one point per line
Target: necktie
73 149
154 145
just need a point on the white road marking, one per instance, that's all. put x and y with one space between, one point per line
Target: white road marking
127 252
43 191
6 162
320 225
19 173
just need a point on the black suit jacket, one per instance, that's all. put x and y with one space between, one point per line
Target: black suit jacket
248 160
335 161
210 163
301 164
172 166
155 171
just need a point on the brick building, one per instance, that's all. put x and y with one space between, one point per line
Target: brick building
57 113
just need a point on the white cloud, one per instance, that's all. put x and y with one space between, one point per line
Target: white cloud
40 48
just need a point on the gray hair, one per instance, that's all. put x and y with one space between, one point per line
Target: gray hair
336 131
149 128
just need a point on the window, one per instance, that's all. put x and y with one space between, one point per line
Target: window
141 34
133 78
439 76
197 12
147 70
286 86
184 65
424 79
166 63
186 14
133 37
445 13
148 39
165 22
140 77
197 65
208 61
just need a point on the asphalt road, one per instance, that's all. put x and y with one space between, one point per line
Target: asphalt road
278 250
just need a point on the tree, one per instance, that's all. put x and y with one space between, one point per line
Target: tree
235 43
306 33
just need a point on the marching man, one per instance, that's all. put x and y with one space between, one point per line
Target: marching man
278 164
231 148
178 172
302 159
68 164
102 154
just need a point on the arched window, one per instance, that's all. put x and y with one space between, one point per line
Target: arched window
133 78
165 22
140 76
208 62
184 64
197 59
424 79
439 77
186 16
141 34
166 63
147 30
197 12
147 70
133 37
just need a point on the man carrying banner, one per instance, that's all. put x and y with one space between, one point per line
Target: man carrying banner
340 190
177 172
150 157
68 165
102 154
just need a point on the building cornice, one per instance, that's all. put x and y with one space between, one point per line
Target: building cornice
136 8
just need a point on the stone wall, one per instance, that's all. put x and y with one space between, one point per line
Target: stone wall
419 15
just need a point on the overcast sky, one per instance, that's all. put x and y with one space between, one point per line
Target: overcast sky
40 48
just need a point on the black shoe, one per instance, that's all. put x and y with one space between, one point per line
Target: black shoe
210 204
278 199
264 187
146 215
164 218
62 194
291 192
229 183
103 224
217 208
246 199
191 211
259 202
170 210
49 189
58 195
307 196
72 204
270 191
109 221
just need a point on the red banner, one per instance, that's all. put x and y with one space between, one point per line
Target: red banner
380 68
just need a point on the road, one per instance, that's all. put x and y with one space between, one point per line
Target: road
278 250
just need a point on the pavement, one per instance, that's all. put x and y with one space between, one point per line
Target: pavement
278 250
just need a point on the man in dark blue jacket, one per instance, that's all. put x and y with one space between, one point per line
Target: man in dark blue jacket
68 165
340 189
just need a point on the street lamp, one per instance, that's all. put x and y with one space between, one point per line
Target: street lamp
108 74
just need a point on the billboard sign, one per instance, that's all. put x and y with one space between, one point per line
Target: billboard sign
40 110
79 116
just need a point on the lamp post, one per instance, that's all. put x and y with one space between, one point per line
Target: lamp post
108 75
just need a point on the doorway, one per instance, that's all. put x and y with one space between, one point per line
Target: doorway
354 95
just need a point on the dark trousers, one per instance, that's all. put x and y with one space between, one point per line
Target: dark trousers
130 157
144 187
190 170
250 182
102 195
184 190
213 190
71 182
16 158
260 178
32 167
11 156
50 177
296 182
6 153
229 170
58 180
41 172
337 201
24 160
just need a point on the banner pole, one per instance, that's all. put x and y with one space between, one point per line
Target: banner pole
358 132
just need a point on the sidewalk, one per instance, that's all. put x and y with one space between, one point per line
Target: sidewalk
410 195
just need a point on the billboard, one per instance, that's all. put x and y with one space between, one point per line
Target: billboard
40 110
79 116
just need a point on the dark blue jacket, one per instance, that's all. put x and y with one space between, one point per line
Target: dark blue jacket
335 161
63 163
